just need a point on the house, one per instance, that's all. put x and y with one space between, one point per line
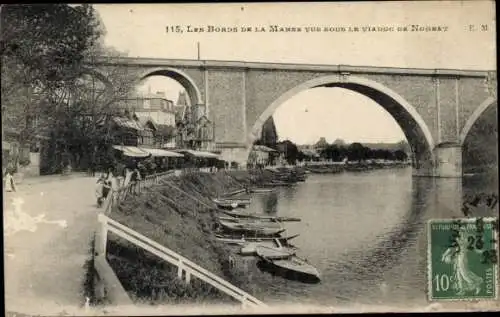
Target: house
310 154
157 114
261 155
194 130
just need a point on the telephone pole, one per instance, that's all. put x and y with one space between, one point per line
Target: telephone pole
198 48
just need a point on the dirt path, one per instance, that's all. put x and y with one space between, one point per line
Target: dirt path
47 230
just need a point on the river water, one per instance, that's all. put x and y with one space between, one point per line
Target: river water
365 232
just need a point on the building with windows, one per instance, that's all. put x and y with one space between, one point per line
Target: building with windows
157 115
194 130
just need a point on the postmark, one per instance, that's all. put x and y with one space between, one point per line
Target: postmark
462 259
478 204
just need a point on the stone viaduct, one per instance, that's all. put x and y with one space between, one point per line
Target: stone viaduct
435 108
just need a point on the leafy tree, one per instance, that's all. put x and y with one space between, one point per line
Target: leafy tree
357 152
43 49
321 144
48 51
334 152
400 155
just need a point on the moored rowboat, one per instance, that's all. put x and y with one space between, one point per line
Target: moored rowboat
261 190
267 229
250 248
231 203
243 214
292 267
274 253
244 240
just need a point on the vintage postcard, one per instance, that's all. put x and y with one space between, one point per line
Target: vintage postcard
249 158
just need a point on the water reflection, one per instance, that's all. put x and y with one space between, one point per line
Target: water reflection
365 232
270 203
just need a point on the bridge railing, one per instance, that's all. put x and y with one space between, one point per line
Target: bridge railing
185 267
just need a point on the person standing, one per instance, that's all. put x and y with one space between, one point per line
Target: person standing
114 186
9 181
102 190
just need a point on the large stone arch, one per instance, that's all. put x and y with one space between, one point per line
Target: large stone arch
412 124
475 116
184 79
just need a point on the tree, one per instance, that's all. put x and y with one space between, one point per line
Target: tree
339 142
48 55
400 155
321 144
356 152
43 49
269 135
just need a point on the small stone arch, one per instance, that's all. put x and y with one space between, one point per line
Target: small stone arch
184 79
405 114
474 117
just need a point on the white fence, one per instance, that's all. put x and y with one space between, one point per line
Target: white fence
186 268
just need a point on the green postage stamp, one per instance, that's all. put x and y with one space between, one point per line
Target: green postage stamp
462 259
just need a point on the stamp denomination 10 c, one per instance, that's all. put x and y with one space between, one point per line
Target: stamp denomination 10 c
462 259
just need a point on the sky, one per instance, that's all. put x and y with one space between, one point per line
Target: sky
140 30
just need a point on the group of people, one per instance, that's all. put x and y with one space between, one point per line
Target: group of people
110 182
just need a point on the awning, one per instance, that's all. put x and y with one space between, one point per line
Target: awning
131 151
199 153
127 123
263 148
162 153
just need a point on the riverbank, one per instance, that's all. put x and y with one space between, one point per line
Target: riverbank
338 167
170 214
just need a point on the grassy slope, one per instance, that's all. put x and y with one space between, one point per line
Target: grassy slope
184 230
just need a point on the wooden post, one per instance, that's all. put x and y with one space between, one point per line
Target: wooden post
108 203
188 277
179 270
101 237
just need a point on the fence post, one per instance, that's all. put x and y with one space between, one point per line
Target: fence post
102 236
188 277
179 270
108 203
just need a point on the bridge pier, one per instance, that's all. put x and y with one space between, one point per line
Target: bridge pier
448 160
235 154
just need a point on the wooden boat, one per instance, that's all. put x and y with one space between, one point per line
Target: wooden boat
238 201
235 192
257 228
261 190
275 184
292 267
243 214
225 204
269 248
231 203
274 253
241 240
